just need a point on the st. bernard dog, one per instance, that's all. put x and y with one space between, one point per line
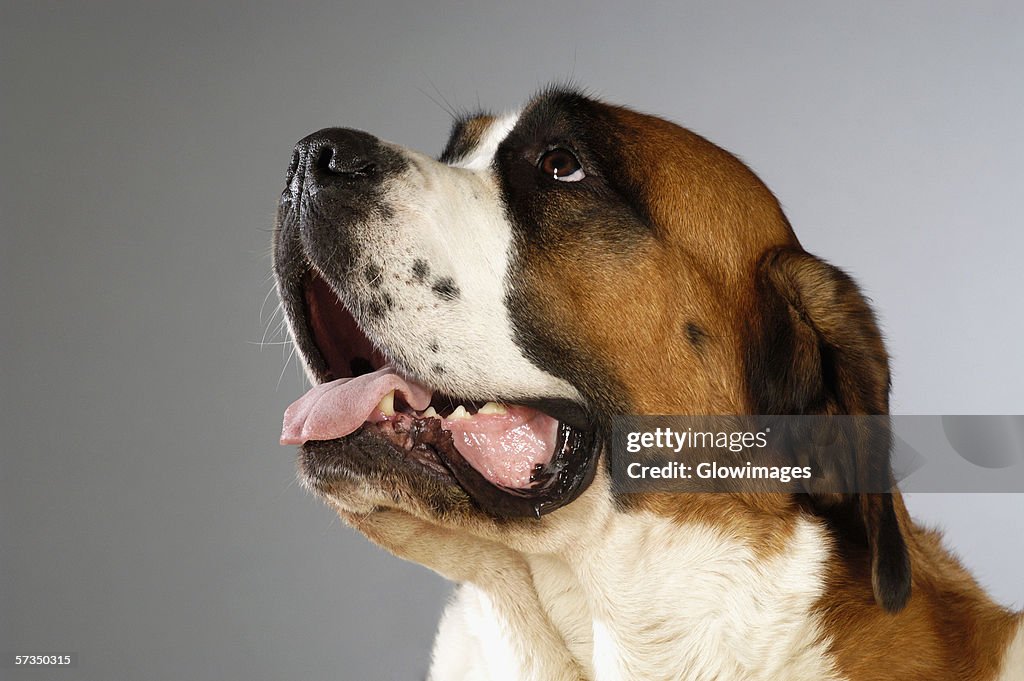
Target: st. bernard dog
472 323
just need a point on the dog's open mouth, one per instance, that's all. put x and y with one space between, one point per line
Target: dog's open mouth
513 459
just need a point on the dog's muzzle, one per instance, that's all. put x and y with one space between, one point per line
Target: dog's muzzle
366 418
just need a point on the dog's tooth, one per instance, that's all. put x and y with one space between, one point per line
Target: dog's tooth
387 404
430 413
460 414
492 408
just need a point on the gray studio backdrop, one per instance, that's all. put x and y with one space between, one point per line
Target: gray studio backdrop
148 519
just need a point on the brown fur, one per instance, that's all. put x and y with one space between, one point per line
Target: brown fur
705 304
777 322
696 194
949 630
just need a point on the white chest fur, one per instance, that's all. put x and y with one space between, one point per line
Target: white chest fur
654 600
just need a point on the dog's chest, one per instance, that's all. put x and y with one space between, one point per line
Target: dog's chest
686 602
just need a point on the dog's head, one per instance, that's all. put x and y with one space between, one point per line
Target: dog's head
474 321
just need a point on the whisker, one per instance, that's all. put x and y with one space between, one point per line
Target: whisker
446 106
265 299
277 330
285 368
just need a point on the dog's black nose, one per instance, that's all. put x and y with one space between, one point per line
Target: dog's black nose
342 157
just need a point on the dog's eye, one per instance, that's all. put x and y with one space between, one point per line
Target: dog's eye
562 165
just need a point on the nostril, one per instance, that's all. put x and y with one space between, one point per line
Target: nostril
330 162
325 159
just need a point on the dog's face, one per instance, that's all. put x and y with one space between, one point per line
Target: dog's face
551 269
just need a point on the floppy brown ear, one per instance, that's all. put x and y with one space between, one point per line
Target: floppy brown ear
817 349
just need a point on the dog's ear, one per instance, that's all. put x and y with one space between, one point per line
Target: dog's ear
817 350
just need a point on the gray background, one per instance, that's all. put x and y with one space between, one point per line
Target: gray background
149 520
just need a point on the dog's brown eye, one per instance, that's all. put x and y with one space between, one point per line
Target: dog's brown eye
561 164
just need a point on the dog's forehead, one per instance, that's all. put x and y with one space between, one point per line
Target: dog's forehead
475 138
690 190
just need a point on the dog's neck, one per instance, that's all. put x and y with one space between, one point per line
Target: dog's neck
665 596
719 587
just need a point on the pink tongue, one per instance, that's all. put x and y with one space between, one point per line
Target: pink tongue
336 409
504 448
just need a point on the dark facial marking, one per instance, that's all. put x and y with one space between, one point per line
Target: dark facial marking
375 309
420 270
445 289
437 369
695 334
603 213
607 204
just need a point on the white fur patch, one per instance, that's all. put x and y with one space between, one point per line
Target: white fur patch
449 328
655 600
481 157
470 642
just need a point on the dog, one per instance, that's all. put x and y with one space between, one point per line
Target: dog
473 323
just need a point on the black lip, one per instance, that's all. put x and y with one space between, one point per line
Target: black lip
369 454
571 471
